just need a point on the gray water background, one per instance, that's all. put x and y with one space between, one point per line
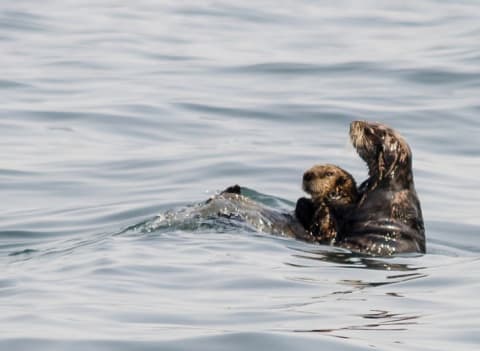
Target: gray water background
112 112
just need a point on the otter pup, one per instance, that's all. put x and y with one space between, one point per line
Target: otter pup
333 193
387 218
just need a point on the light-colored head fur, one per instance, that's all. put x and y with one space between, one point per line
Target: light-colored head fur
330 184
383 149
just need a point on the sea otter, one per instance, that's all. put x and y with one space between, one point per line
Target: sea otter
387 218
333 194
315 220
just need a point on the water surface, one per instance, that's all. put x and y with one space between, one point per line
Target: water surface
112 113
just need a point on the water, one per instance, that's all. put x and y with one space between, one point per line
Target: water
112 112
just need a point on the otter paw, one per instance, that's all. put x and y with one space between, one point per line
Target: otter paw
304 211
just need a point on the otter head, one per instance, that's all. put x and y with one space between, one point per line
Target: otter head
386 153
330 184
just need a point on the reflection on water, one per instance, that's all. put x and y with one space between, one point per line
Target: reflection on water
392 279
386 322
357 260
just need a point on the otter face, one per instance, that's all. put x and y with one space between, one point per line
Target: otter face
330 184
382 148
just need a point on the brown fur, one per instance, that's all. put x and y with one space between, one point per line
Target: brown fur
383 217
333 192
388 217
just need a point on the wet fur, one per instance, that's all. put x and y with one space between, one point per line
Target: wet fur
387 218
232 205
382 218
333 192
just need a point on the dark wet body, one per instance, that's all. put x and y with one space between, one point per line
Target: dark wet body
384 222
388 217
231 205
367 227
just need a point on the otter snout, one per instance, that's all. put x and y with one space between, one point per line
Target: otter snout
357 130
308 176
356 126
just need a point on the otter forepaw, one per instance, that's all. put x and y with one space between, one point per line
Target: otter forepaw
304 211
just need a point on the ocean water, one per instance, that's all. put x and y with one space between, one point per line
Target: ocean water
113 112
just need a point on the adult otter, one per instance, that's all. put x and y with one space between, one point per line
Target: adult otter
334 193
387 218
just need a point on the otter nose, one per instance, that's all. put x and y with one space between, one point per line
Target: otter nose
356 126
307 176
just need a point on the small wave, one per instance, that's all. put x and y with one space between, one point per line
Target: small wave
241 14
11 84
437 76
297 68
211 339
22 21
22 252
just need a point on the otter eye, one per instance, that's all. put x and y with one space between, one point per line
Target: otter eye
328 174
